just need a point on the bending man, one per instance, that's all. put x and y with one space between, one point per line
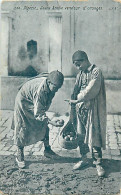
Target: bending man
30 122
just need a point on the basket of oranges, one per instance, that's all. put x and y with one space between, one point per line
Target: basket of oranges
68 137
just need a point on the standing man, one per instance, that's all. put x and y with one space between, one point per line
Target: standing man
30 122
89 100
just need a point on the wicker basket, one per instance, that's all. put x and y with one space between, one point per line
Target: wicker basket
68 144
71 144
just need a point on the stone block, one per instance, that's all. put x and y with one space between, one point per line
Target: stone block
27 148
110 129
115 152
119 138
113 145
116 158
13 148
26 153
118 130
2 128
6 148
116 119
37 153
113 137
6 153
107 156
109 117
35 149
38 144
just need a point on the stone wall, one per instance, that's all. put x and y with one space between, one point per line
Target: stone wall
93 26
10 85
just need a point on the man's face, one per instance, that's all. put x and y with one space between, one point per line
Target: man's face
53 87
80 64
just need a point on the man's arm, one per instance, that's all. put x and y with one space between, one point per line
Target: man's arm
93 87
76 88
39 107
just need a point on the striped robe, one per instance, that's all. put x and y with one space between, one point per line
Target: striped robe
93 98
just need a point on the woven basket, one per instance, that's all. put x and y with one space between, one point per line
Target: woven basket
68 144
71 144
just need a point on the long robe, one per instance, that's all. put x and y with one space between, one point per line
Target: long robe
93 97
32 101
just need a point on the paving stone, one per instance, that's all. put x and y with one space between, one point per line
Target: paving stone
2 128
8 123
2 122
107 156
110 122
118 130
2 145
28 148
115 152
35 149
6 153
6 148
9 135
66 153
3 136
13 148
110 117
107 147
107 151
113 145
116 119
119 137
26 153
110 130
116 157
113 126
113 138
37 153
38 144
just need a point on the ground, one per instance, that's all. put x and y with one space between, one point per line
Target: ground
56 177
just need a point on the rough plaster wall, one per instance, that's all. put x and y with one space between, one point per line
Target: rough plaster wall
99 34
10 85
96 32
26 26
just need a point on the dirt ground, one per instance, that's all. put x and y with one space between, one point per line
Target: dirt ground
56 177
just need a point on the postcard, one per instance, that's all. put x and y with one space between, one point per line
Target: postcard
60 97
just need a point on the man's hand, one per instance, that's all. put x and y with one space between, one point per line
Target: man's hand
56 123
71 101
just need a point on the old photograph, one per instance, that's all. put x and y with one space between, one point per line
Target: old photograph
60 97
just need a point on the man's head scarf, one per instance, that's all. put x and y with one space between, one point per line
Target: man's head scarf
79 55
56 78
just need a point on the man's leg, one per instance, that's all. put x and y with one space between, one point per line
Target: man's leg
20 157
83 148
48 152
97 160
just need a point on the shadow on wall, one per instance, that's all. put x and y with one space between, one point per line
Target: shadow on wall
31 52
29 71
